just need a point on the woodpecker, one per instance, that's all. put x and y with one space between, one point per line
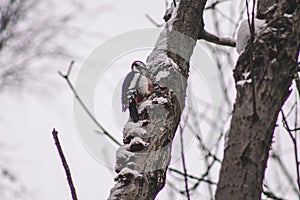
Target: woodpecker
135 88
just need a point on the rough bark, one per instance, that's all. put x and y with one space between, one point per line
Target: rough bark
143 160
275 55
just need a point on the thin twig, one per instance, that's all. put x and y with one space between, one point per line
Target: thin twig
296 118
295 130
206 174
295 145
223 15
70 68
297 80
191 176
213 5
270 194
66 77
203 147
252 32
285 170
286 126
183 163
65 164
153 21
216 51
174 2
290 110
209 37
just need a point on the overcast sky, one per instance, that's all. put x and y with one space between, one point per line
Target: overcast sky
27 119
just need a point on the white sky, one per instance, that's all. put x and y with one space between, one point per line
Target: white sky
28 119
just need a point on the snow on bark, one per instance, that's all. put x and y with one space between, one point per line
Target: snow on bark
160 112
137 144
243 82
149 103
161 75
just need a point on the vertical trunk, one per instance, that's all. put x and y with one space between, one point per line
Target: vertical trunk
275 55
143 160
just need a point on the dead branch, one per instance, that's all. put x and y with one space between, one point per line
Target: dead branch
65 164
209 37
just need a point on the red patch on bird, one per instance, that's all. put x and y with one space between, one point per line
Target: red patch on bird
136 99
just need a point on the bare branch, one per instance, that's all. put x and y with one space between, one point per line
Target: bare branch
252 76
297 80
174 2
153 21
146 176
66 77
213 5
270 194
209 37
294 140
65 164
22 21
184 164
285 171
192 177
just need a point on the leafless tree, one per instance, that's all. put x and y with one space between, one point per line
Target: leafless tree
29 37
272 59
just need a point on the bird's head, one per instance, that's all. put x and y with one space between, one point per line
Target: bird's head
138 66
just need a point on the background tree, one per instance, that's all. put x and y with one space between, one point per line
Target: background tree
30 37
272 58
254 115
198 177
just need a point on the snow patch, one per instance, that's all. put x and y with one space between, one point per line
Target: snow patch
271 8
246 75
143 105
132 125
149 103
243 82
244 33
132 133
123 156
226 139
288 15
123 153
126 171
160 100
137 132
158 55
273 61
126 175
138 141
162 58
274 29
161 75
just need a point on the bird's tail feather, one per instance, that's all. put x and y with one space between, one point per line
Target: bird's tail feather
134 115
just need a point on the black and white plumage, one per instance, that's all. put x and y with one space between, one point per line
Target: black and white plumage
135 88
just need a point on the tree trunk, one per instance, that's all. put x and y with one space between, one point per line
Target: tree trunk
143 160
275 55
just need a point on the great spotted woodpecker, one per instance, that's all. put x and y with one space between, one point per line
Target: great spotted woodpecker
135 88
